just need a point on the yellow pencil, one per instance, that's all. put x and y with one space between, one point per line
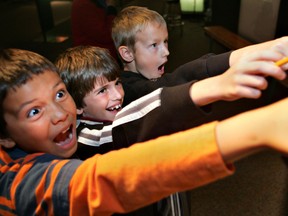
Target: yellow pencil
282 61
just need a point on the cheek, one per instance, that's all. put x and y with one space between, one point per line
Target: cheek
26 135
71 106
121 91
93 108
143 56
145 65
17 129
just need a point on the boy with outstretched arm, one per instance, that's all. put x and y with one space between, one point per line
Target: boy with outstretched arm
140 36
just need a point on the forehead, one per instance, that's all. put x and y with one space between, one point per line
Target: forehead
152 29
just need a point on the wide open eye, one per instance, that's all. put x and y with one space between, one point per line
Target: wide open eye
60 94
33 112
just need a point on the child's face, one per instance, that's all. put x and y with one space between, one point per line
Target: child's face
104 101
41 116
151 51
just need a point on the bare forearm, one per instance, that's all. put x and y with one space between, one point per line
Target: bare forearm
253 131
239 136
204 92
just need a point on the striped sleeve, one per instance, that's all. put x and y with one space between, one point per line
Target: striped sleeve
38 185
95 137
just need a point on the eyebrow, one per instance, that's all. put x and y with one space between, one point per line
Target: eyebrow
31 101
100 88
105 86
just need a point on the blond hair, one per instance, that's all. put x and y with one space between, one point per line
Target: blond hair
130 21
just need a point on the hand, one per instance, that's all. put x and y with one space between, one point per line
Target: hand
280 44
246 79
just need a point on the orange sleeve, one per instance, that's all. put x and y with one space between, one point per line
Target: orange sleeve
130 178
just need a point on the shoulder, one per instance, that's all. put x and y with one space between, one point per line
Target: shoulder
25 173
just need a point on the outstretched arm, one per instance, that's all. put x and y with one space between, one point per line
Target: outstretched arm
258 129
180 161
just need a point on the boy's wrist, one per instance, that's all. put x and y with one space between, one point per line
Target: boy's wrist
205 92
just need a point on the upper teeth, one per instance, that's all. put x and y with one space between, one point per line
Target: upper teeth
116 107
65 130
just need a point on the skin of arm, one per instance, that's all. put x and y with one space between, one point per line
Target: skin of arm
256 129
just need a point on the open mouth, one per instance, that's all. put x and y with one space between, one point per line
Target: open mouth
117 108
64 137
161 68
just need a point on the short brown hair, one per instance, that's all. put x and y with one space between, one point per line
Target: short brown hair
81 66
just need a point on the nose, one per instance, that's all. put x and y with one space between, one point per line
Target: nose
165 51
116 93
58 113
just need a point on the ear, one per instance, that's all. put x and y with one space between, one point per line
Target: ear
7 143
80 111
126 54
